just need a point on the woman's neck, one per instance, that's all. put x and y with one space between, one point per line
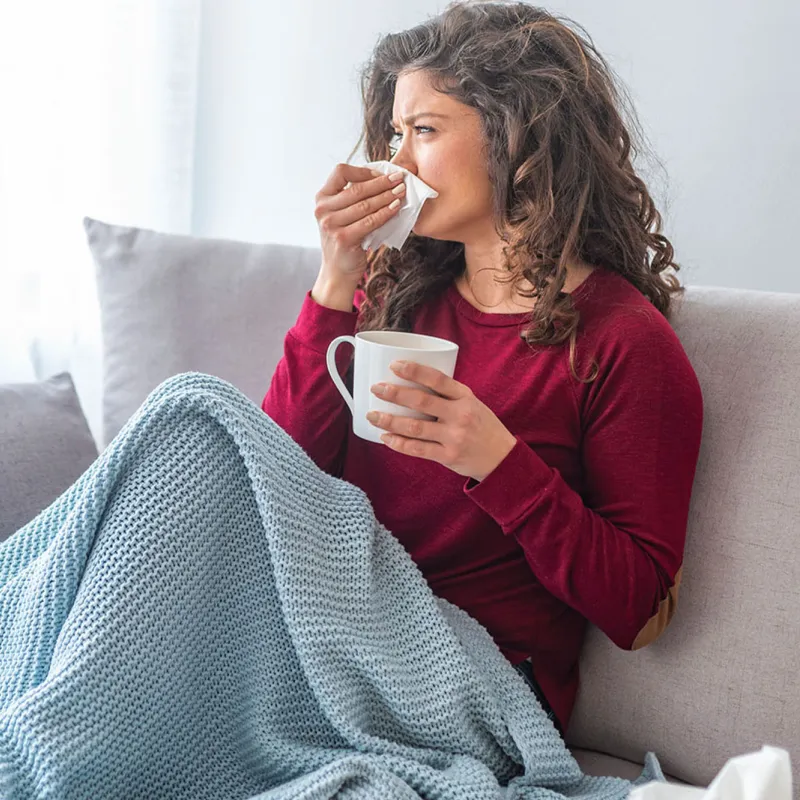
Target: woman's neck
482 286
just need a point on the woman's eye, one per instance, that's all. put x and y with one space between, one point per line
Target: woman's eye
395 136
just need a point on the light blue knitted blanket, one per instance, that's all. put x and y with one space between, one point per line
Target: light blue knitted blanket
206 614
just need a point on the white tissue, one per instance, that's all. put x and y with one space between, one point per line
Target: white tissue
396 230
765 775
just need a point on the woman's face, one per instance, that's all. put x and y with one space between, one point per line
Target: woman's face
440 141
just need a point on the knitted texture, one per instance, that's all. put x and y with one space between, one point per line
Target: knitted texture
206 614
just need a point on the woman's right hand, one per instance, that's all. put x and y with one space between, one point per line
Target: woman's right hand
354 202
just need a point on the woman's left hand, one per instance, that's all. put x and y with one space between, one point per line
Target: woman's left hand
466 437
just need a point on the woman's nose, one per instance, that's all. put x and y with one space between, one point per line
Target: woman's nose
400 159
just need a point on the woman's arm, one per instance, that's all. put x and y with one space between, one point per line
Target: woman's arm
616 557
302 398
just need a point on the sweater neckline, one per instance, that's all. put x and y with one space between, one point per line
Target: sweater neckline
466 309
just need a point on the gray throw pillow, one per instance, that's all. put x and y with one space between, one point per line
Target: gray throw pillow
171 304
46 447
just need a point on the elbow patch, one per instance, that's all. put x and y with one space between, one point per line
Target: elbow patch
657 624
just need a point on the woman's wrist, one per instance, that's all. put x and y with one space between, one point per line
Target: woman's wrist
333 293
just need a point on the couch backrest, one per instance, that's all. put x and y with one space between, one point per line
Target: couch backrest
723 679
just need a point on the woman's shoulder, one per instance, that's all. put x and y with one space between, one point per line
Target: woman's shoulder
620 326
613 308
635 356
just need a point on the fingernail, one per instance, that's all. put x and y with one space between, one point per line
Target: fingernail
396 176
372 416
394 204
379 388
376 173
399 189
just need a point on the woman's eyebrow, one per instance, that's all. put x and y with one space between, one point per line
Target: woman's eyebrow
410 120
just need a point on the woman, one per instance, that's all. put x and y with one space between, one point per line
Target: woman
554 486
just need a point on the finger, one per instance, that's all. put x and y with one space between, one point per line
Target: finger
408 426
418 448
361 191
347 173
359 209
416 399
356 231
431 377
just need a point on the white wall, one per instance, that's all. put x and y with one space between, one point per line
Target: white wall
715 85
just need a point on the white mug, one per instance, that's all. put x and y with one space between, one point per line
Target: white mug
374 351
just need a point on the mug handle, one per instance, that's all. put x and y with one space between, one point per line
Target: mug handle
334 372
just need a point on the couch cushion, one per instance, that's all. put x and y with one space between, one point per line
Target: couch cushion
173 304
47 445
723 678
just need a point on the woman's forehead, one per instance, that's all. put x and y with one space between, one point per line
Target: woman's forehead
414 96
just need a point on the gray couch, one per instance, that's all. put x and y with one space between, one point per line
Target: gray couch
722 680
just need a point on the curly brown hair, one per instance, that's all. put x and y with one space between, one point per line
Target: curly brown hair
559 161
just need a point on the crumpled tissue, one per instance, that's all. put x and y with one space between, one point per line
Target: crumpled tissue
765 775
394 232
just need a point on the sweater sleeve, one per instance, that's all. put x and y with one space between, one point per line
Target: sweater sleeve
615 554
301 397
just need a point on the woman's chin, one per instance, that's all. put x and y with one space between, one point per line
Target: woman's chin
429 223
428 232
423 226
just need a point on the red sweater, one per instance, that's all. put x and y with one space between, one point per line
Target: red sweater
586 517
